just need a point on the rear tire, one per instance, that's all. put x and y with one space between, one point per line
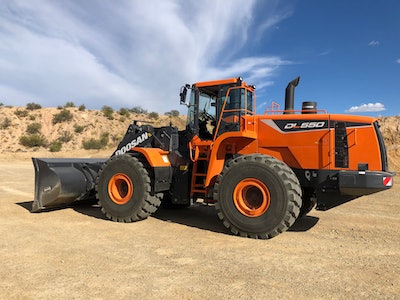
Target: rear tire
257 196
123 189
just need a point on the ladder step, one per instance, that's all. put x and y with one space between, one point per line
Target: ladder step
200 174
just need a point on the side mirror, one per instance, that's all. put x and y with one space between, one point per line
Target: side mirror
183 93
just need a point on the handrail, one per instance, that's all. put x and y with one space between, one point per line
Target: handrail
276 108
196 152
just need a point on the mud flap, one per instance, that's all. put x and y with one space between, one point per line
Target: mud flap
59 181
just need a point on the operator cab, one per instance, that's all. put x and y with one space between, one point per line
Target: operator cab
216 107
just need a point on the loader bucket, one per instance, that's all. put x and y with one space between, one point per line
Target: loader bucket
59 181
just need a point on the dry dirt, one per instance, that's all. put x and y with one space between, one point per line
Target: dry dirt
349 252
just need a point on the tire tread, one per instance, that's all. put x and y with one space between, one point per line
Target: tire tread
291 184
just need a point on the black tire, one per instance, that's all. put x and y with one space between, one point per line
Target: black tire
309 202
257 196
123 189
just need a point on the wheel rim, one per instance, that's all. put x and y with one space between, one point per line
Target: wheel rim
120 188
251 197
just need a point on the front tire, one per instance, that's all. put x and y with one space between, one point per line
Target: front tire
124 190
257 196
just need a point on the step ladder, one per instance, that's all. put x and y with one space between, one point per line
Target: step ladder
199 173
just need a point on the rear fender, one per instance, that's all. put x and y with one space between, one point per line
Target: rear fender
228 143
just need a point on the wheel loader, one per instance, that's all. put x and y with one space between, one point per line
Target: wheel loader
260 171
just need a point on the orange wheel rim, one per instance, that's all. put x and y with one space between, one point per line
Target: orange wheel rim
251 197
120 188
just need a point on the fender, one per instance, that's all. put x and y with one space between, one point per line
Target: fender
161 166
155 157
229 143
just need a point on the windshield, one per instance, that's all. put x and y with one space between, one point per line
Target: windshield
205 106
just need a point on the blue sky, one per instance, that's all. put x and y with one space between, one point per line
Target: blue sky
139 53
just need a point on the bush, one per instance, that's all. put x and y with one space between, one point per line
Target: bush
65 137
69 104
124 112
32 117
153 115
55 146
6 123
138 110
34 140
21 113
34 128
82 107
96 143
63 116
108 112
33 106
172 113
78 128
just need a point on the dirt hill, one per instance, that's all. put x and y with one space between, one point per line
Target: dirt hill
17 122
69 126
390 127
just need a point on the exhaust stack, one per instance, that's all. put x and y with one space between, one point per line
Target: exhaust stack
289 95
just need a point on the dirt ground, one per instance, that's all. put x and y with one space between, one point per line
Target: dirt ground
349 252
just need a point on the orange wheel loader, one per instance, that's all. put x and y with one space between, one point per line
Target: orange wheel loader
261 171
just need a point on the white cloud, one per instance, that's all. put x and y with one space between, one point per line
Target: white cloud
398 60
374 43
134 53
370 107
326 52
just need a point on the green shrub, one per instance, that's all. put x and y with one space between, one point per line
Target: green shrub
32 117
34 128
124 112
172 113
78 128
82 107
153 115
69 104
6 123
33 106
65 137
63 116
55 146
33 140
108 112
96 143
138 110
21 113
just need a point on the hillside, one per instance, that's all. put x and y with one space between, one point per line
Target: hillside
92 124
15 122
390 127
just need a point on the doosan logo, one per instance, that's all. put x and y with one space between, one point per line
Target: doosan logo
304 125
132 144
